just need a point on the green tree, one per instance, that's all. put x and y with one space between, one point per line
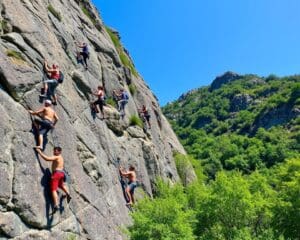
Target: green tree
287 208
167 217
235 205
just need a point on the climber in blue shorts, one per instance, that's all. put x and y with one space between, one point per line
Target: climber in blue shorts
132 184
122 98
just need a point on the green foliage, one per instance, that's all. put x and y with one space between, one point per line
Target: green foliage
90 16
185 166
123 56
222 134
258 206
135 121
54 12
271 77
71 236
165 217
247 161
235 205
14 54
4 26
286 179
87 13
111 102
132 89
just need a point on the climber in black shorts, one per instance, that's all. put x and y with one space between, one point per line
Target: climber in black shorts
84 53
45 121
100 101
145 114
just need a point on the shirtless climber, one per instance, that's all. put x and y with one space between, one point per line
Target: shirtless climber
132 184
100 101
45 121
58 175
145 114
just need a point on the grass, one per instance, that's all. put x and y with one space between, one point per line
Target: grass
93 20
54 12
71 236
123 56
14 54
132 89
4 26
87 13
111 101
136 121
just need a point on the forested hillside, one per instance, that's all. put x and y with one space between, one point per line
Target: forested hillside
239 122
242 134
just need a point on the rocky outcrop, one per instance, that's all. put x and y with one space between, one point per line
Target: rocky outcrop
31 32
240 102
223 79
276 116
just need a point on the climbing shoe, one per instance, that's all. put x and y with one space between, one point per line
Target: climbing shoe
68 198
55 209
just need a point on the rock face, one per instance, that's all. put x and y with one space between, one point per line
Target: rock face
223 79
276 116
32 31
240 102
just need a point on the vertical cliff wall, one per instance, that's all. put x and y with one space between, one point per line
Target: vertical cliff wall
34 30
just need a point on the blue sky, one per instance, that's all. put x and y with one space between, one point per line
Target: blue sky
179 45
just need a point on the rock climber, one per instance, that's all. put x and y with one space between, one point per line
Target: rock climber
100 101
45 120
132 184
122 98
58 175
145 114
52 82
84 53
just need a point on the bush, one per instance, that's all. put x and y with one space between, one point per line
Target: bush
54 12
89 15
4 26
186 167
15 54
165 217
136 121
111 101
132 89
271 77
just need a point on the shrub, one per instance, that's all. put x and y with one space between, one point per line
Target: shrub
89 15
165 217
71 236
186 166
132 89
135 121
54 12
4 26
271 77
111 101
15 54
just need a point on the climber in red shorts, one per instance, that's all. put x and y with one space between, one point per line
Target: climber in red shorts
58 175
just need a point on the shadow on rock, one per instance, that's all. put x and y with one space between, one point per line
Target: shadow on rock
45 183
